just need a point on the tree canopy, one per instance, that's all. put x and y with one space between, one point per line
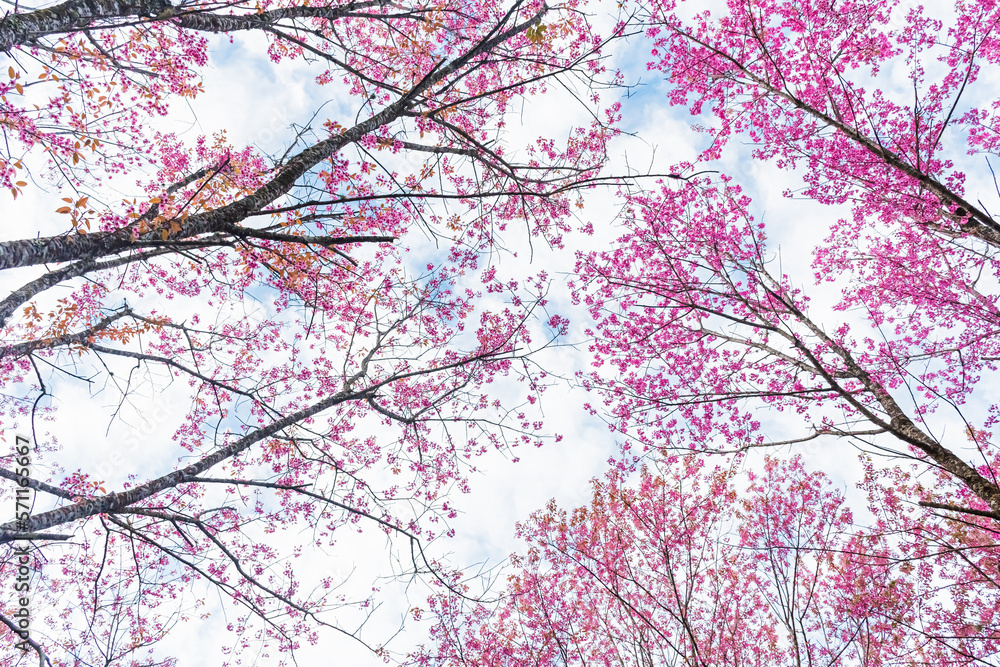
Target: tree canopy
336 331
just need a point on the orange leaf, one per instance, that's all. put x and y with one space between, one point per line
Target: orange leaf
10 71
64 209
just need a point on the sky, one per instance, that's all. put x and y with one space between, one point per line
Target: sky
503 492
254 101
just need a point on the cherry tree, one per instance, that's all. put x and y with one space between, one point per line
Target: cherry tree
687 565
693 283
703 343
329 381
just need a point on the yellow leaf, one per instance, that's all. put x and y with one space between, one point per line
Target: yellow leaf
536 34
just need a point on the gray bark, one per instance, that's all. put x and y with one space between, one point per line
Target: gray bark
74 15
